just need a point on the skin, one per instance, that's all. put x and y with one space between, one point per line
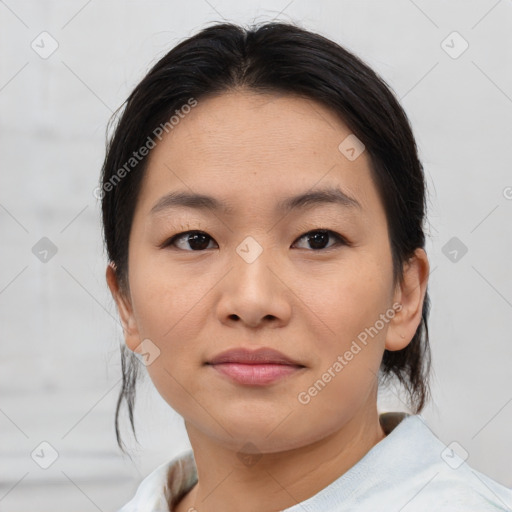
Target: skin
252 150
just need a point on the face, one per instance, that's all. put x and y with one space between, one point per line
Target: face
312 280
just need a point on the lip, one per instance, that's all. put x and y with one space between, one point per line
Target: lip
261 355
258 367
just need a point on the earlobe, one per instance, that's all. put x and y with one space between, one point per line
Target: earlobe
410 293
124 308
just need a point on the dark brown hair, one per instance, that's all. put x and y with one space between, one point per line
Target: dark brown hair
285 59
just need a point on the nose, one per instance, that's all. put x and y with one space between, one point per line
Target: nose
254 293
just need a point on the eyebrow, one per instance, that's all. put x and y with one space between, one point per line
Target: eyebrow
330 195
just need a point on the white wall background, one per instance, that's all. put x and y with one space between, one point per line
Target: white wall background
59 334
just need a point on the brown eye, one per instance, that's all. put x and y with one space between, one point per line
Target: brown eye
195 240
319 238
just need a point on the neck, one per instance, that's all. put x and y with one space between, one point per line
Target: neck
275 481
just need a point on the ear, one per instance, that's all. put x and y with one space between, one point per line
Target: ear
410 293
131 333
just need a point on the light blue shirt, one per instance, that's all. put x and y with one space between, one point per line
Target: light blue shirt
410 470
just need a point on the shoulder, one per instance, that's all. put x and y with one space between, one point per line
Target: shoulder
468 491
164 485
427 475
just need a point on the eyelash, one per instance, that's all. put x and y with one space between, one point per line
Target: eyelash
340 239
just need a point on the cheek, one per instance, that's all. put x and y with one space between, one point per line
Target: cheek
351 351
169 310
170 313
163 295
350 298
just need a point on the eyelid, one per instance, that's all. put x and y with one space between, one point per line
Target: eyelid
168 242
341 240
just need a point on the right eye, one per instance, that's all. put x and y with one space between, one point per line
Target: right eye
196 240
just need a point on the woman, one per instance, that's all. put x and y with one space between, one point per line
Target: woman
263 207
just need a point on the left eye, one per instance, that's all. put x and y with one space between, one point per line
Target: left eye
319 238
198 240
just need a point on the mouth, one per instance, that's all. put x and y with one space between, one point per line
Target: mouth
254 367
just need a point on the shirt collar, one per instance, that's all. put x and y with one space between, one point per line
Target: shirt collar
170 481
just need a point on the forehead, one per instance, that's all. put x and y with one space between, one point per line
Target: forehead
256 147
